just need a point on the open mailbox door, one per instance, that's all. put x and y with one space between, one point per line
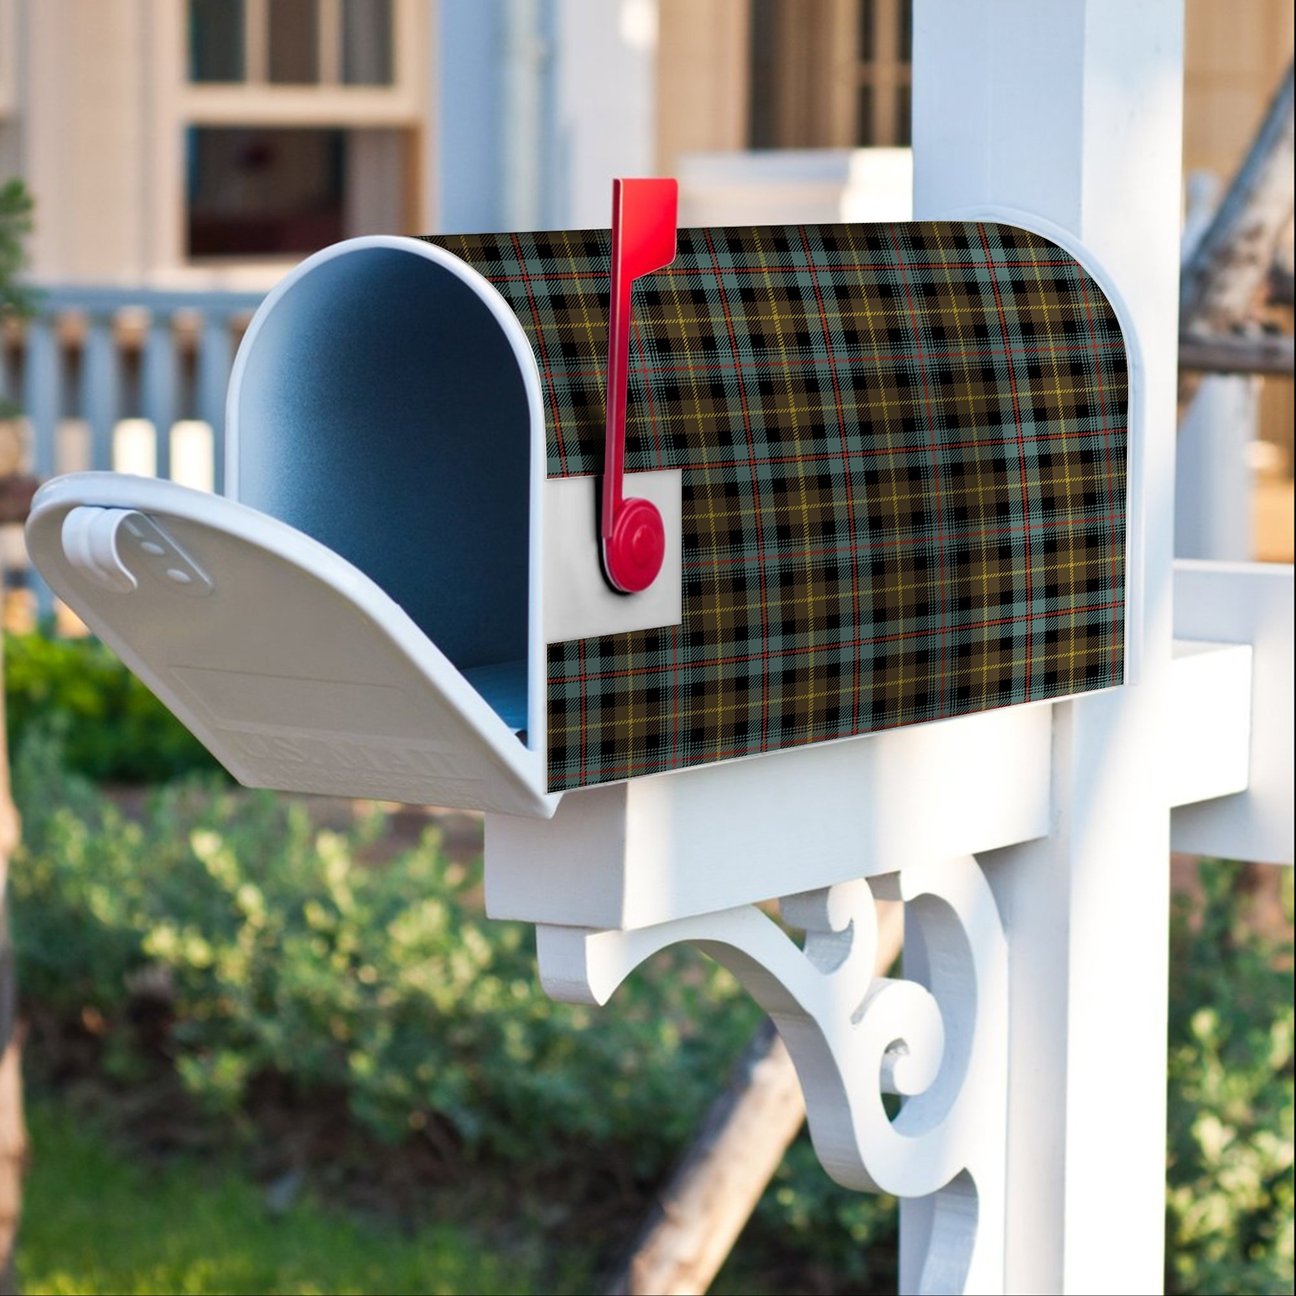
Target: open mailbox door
293 667
360 622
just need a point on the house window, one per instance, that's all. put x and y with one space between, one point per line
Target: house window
264 192
298 124
278 192
830 73
216 46
293 52
367 41
291 42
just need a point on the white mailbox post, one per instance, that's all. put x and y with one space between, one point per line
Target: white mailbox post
1029 843
1032 847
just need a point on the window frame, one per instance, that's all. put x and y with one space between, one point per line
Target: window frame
181 103
255 100
815 99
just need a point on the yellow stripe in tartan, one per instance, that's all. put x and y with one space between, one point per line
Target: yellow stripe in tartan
777 319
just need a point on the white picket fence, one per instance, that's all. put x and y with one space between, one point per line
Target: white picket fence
131 380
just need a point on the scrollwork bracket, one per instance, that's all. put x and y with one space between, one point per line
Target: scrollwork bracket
937 1037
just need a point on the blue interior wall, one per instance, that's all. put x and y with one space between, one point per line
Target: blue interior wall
383 412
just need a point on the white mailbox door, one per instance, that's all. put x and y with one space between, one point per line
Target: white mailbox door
286 661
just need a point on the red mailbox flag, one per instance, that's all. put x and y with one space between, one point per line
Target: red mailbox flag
644 220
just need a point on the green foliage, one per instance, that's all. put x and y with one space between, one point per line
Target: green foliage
847 1238
283 954
15 225
1230 1197
94 1221
112 727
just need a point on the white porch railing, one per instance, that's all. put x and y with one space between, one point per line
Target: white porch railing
124 379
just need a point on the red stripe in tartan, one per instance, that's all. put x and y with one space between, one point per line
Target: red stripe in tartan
803 650
883 452
601 278
644 371
853 547
546 372
872 358
584 727
756 493
1021 455
675 705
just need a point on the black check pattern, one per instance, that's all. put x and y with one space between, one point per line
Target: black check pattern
904 465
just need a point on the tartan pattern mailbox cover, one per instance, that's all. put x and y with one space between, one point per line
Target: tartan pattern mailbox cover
903 452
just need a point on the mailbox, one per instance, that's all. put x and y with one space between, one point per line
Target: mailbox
888 464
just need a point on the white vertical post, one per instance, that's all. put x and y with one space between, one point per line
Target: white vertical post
1214 513
214 347
523 110
605 79
42 383
469 125
158 383
41 387
1072 113
100 396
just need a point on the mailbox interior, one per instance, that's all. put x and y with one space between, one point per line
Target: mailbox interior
385 403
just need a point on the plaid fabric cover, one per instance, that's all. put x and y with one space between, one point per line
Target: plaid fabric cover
904 455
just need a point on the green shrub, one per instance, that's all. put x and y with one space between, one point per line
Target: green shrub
1229 1199
113 728
847 1239
283 954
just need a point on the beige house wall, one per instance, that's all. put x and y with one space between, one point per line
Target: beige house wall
9 137
701 82
82 107
1234 56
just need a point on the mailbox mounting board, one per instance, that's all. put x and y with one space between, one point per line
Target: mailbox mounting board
903 450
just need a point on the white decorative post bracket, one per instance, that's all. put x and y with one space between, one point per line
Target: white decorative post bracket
674 859
938 1039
